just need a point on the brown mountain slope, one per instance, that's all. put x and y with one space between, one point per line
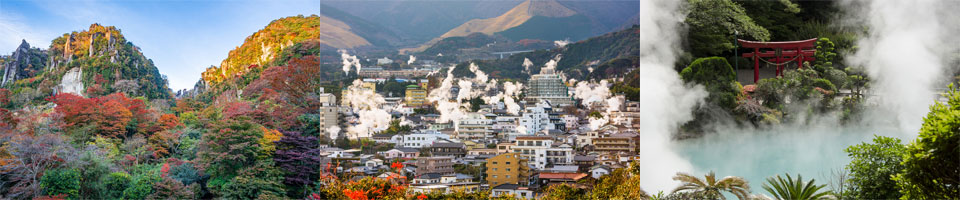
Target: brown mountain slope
337 34
512 18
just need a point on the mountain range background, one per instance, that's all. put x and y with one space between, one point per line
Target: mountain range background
419 24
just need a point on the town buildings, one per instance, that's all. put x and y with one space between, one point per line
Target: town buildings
442 165
508 168
548 86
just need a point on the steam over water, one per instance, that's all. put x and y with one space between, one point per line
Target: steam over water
906 48
754 155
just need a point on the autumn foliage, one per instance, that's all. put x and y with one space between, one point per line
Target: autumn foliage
109 115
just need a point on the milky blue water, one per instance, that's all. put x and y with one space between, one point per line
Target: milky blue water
758 154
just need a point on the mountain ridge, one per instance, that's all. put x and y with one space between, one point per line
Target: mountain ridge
514 17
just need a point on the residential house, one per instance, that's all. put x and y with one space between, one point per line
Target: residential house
456 150
437 164
517 191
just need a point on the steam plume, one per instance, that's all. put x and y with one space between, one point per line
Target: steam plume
527 64
349 61
410 62
561 43
667 102
366 103
904 52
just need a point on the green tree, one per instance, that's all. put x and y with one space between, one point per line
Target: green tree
792 189
931 163
396 128
713 24
622 183
562 191
710 187
825 55
141 186
261 181
872 166
61 181
717 76
228 147
115 184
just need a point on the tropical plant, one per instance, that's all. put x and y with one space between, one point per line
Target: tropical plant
710 187
794 189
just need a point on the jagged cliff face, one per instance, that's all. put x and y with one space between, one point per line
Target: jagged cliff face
72 82
99 57
24 62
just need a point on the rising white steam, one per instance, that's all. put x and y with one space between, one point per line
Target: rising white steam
594 95
510 92
349 61
552 64
366 103
667 102
904 52
591 93
452 109
561 43
527 64
412 59
333 132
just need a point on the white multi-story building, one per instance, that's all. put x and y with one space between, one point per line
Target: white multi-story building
549 86
507 125
384 61
571 121
328 113
422 139
541 151
535 119
475 126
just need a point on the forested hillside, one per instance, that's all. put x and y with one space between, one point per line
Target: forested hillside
608 55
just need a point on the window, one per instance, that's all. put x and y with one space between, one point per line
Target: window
495 162
508 169
508 176
494 176
494 169
508 162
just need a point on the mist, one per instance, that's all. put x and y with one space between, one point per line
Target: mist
905 47
666 101
905 52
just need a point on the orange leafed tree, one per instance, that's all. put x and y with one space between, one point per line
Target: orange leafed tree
113 118
109 115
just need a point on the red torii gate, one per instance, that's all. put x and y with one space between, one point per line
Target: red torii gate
783 52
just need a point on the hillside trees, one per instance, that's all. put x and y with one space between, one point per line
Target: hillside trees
298 156
226 148
714 23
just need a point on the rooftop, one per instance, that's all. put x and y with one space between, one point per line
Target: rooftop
446 144
571 176
534 138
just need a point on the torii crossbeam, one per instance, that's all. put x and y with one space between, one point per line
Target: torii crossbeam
782 53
